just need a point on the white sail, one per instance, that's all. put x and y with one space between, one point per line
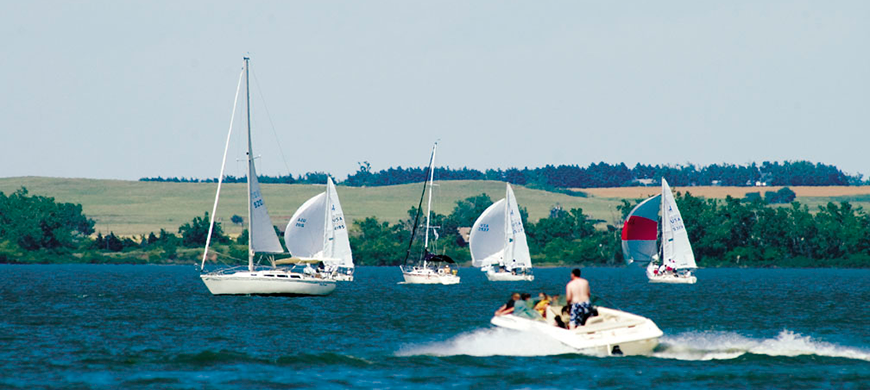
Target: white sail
517 249
336 244
305 231
676 249
487 240
263 237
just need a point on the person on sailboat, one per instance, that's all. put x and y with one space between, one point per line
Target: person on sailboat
578 295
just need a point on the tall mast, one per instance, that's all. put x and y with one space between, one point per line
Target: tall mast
429 205
508 229
250 164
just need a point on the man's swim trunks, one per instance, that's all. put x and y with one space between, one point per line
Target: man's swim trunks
580 312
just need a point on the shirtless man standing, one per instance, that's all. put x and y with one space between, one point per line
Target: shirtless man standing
577 293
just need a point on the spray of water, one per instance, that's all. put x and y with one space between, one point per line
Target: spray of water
728 345
491 342
683 346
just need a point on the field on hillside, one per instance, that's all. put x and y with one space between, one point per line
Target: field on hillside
134 208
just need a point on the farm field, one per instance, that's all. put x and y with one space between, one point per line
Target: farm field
134 207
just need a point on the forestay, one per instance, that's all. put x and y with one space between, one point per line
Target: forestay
676 249
640 230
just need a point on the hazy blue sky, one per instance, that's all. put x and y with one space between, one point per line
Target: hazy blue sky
122 90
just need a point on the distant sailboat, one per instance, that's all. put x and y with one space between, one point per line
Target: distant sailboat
262 241
430 268
498 242
317 232
639 235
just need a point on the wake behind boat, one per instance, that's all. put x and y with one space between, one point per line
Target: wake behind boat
611 332
640 234
498 242
262 241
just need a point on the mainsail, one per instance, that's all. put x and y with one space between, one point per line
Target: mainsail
676 249
263 237
317 230
640 230
517 250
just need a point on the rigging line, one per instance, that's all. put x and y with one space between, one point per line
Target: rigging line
269 116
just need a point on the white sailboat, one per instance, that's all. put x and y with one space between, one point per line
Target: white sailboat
317 232
262 240
431 268
498 242
639 234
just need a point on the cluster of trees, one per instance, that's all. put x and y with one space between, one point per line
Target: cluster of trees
783 195
308 178
796 173
38 224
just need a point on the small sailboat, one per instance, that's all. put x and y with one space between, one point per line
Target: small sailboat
263 242
498 242
674 261
430 268
317 232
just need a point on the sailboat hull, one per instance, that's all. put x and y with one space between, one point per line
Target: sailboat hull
272 282
508 277
612 332
428 276
673 279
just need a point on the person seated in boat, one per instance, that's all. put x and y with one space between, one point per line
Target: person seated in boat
502 268
578 295
558 319
508 307
543 302
523 308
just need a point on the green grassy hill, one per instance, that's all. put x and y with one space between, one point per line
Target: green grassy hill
134 207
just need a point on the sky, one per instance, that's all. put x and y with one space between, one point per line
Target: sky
123 90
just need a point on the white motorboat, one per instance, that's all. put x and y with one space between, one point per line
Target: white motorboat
640 236
611 332
317 232
263 243
498 242
430 268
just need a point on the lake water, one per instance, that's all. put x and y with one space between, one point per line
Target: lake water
105 326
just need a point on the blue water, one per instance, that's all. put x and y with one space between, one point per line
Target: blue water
105 326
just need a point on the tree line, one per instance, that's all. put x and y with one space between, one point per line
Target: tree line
729 232
788 173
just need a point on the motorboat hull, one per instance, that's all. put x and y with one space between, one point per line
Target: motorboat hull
508 277
612 332
271 282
